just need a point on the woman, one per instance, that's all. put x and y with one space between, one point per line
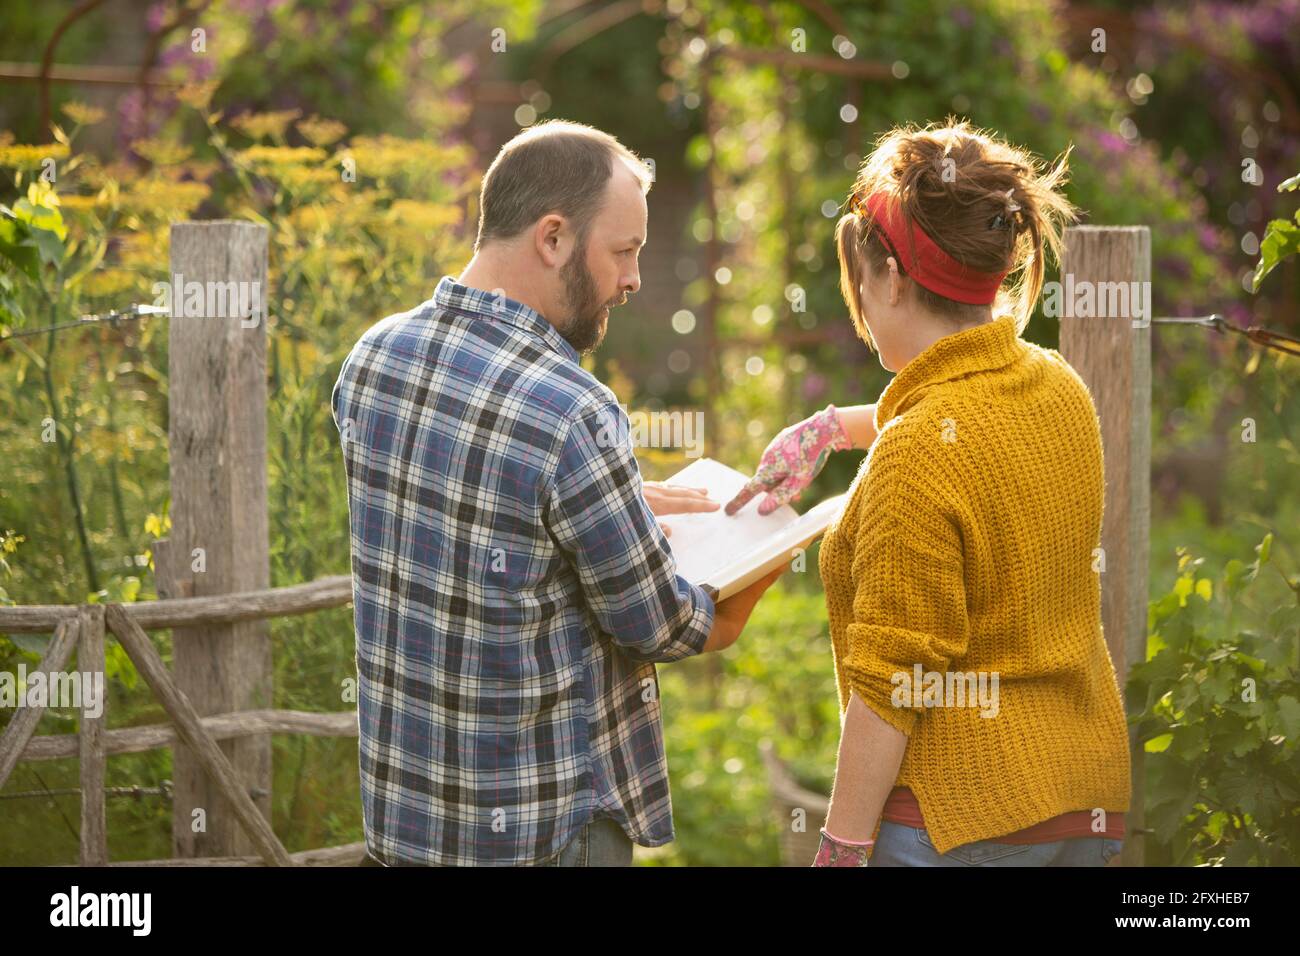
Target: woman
982 721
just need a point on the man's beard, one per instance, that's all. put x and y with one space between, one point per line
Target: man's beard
587 324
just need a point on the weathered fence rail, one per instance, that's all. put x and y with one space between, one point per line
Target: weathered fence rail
318 595
134 740
83 627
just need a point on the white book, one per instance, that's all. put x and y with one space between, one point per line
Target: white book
730 553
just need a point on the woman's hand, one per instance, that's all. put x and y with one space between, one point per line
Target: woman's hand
793 459
675 500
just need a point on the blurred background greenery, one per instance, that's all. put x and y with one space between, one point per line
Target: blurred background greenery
756 117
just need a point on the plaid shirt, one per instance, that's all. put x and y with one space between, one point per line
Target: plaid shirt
511 589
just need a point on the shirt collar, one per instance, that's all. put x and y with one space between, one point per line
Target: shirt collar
990 345
478 303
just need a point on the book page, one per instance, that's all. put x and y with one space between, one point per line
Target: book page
730 553
705 543
776 551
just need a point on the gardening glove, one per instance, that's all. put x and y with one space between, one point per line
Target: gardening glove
833 851
792 460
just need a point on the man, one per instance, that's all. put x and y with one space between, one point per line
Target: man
512 589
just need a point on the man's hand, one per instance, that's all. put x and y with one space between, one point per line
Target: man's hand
666 499
731 615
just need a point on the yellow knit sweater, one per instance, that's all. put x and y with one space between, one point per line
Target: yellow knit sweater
966 548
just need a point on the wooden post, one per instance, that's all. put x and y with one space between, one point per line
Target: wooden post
90 661
218 541
1112 354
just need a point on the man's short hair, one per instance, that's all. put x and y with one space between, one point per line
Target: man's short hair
553 167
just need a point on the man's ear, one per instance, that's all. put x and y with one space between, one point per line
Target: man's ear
551 240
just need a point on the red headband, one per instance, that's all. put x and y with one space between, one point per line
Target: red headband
931 267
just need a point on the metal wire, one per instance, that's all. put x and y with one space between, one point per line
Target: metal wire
136 791
1266 338
136 311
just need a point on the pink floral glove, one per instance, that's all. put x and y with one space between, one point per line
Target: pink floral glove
835 852
792 460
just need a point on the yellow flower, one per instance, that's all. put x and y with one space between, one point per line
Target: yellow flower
164 198
382 156
79 203
262 125
160 152
157 526
41 193
321 132
422 217
302 178
98 176
267 157
83 114
198 95
143 250
110 282
31 157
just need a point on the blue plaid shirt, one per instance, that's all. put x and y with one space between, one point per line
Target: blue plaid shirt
511 589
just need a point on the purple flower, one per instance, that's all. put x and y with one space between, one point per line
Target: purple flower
1111 142
133 123
155 17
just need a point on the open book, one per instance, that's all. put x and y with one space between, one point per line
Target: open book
731 553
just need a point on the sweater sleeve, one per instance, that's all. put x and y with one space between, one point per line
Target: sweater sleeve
909 593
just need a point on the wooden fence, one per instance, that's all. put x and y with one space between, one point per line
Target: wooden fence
212 571
83 628
212 574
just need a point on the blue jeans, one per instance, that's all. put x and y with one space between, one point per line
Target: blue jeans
601 842
897 845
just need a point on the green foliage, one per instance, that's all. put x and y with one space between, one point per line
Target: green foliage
32 233
1281 238
777 683
1217 707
